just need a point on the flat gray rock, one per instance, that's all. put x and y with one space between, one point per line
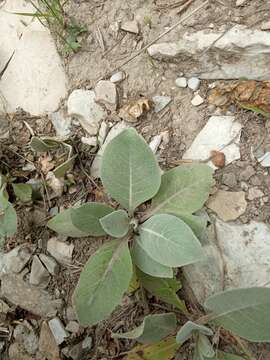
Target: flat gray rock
39 275
208 53
28 297
34 80
58 330
15 260
228 205
237 257
106 94
82 105
60 250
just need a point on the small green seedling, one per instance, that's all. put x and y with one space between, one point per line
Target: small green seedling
154 239
8 216
51 13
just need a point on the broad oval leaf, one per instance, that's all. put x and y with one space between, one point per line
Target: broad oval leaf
129 170
23 192
43 144
183 189
163 289
189 328
8 222
205 347
62 224
103 281
163 350
148 265
245 312
169 241
153 329
116 223
86 218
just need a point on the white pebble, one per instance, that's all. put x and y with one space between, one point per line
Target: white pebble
181 82
197 100
117 77
194 83
90 141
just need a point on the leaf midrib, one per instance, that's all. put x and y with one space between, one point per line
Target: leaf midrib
159 207
107 270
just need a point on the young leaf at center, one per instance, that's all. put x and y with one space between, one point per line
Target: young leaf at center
190 328
86 217
153 329
245 312
129 170
116 223
169 241
103 281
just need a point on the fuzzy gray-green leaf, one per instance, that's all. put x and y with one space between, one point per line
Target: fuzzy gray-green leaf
103 281
86 217
62 224
169 241
129 171
153 329
23 192
244 312
189 328
163 289
116 224
183 189
148 265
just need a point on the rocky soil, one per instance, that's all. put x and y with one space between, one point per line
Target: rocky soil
199 93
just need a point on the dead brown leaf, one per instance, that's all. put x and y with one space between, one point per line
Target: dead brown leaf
250 94
46 163
135 110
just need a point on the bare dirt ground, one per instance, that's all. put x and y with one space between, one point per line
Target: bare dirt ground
104 48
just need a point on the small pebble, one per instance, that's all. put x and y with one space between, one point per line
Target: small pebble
197 100
194 83
240 2
90 141
117 77
73 327
58 330
181 82
255 193
130 26
265 26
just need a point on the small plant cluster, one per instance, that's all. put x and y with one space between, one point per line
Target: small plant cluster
51 13
152 240
8 216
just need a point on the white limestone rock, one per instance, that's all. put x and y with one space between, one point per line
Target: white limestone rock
236 53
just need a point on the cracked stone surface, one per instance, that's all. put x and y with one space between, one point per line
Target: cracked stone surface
34 79
245 260
235 53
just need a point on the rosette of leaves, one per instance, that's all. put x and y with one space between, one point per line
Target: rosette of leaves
156 241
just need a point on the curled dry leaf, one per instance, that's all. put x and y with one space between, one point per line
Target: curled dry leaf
133 111
252 95
46 163
218 158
